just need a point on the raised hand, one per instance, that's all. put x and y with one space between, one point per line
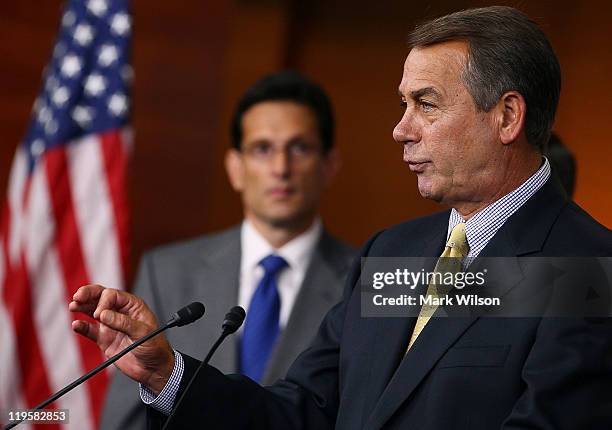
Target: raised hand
122 318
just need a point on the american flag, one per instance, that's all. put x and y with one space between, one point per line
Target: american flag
64 222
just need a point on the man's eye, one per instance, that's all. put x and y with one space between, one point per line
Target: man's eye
300 148
426 106
403 104
261 149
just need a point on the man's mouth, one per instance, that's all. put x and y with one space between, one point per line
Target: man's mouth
417 166
280 192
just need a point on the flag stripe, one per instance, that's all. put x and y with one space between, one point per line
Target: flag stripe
71 260
17 197
31 365
115 147
17 299
11 392
48 297
59 345
94 213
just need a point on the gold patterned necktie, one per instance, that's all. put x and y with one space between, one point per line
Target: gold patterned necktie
455 251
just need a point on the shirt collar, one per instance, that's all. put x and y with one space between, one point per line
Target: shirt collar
296 252
481 227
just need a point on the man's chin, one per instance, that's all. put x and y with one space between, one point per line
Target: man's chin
281 219
289 220
429 192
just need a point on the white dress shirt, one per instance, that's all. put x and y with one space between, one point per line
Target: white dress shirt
297 253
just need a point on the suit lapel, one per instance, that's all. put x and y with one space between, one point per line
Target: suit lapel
432 343
219 280
502 272
440 333
382 378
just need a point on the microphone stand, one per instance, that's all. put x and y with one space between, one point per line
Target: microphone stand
178 319
233 321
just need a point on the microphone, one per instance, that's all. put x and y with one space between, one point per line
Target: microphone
232 322
186 315
183 316
233 319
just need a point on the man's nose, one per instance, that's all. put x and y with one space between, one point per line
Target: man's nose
406 130
281 163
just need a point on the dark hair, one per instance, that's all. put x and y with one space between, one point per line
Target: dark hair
287 86
562 163
506 52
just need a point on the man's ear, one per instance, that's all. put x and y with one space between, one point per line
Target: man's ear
235 169
513 113
331 165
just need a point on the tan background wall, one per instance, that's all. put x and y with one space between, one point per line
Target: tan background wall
193 58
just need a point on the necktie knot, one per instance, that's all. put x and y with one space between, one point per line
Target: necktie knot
457 245
272 264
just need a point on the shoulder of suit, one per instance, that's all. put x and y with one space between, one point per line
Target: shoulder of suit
577 228
194 246
406 234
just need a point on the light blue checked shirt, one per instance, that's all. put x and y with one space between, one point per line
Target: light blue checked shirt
479 230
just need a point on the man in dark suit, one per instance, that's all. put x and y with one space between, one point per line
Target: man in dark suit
281 159
480 89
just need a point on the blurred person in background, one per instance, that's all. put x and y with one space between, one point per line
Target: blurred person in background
281 160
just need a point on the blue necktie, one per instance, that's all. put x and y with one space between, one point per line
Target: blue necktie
261 328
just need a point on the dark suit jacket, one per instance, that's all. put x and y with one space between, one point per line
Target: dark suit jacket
462 373
207 269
